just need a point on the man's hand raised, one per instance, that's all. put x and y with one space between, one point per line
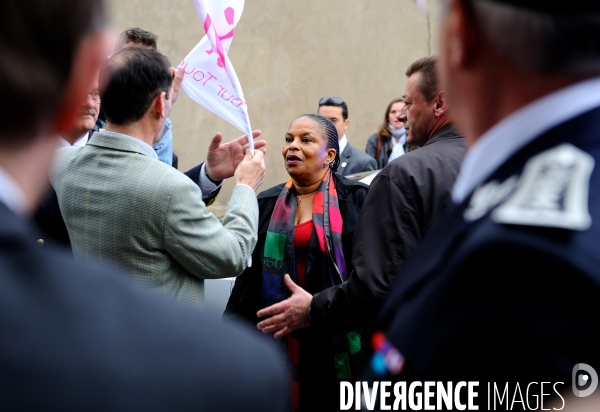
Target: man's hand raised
223 159
177 75
251 170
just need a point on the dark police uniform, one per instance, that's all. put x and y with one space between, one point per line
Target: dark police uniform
507 288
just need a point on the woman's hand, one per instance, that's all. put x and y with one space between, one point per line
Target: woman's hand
287 315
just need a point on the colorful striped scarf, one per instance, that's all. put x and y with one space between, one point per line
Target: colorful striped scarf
279 258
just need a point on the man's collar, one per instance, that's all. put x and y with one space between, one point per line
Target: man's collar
447 131
343 142
82 141
512 133
106 138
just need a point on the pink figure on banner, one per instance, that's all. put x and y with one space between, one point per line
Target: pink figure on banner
210 78
229 14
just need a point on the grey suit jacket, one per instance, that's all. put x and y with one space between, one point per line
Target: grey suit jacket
353 161
123 206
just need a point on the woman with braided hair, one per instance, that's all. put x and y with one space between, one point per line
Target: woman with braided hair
305 231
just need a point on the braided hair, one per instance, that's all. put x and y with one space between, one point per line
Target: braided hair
332 136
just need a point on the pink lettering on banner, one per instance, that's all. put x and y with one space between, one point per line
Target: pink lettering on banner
209 79
184 67
194 76
226 98
199 75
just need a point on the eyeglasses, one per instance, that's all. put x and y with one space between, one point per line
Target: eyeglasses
330 100
95 96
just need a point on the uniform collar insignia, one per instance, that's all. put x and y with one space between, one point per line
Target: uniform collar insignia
552 191
488 196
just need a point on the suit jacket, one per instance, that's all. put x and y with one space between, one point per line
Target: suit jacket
494 293
122 206
353 161
50 221
76 337
52 225
405 200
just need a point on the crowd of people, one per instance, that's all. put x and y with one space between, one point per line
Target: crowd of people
471 256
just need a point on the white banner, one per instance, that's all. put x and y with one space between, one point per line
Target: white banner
210 78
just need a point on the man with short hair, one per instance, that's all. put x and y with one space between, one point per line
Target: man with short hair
142 38
352 160
122 206
506 288
136 37
48 215
75 337
405 200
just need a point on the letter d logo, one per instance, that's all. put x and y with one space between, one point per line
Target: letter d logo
580 380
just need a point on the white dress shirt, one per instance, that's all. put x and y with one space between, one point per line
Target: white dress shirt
343 142
515 131
82 141
11 194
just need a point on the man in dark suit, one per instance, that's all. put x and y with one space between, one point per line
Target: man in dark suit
506 288
352 160
74 336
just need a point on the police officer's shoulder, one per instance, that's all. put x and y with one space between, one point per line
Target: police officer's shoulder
552 191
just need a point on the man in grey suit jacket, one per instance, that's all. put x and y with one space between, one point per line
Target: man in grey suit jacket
352 160
75 337
121 205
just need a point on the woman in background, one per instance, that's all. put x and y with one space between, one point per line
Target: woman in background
390 140
305 230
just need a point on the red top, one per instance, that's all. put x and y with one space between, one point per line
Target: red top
302 234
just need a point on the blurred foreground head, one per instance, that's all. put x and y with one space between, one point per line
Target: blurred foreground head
507 53
50 53
49 50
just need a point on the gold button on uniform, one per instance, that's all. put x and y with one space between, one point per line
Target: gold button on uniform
40 242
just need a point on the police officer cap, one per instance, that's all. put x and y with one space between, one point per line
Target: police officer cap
555 6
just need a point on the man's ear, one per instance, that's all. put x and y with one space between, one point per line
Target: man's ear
347 123
159 105
440 104
90 55
463 38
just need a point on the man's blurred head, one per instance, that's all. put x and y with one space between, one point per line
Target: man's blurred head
423 103
41 43
515 51
133 78
136 37
87 115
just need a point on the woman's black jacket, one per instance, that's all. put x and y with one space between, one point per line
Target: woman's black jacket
246 297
